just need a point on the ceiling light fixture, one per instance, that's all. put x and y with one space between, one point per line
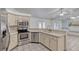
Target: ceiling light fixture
61 13
72 17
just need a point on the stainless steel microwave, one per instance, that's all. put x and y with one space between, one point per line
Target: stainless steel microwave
23 25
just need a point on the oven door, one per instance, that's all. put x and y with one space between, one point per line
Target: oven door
23 36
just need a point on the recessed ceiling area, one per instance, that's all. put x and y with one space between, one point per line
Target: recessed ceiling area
51 13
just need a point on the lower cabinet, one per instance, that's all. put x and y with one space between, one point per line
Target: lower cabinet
55 43
52 42
13 41
46 40
41 38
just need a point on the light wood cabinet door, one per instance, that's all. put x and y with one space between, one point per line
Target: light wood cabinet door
53 44
13 41
41 38
12 20
46 40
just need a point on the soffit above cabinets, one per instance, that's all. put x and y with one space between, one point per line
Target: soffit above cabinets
50 13
38 12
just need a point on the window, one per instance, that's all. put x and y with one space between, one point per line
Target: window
40 25
44 25
57 25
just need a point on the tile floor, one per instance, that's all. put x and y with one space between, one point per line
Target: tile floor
31 47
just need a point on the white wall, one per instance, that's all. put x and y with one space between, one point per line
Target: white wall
34 22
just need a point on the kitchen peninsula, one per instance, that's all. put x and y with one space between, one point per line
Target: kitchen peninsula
52 40
56 40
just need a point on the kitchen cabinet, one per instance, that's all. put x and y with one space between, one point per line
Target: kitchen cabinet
12 20
23 19
41 38
35 37
57 43
46 40
23 22
13 41
52 42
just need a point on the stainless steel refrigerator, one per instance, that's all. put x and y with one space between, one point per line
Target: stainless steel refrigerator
4 32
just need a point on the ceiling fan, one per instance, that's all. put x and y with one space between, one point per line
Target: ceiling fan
58 11
62 13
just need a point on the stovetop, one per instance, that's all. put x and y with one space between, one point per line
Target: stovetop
22 31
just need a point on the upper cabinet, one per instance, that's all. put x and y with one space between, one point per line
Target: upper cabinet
12 20
22 22
22 18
